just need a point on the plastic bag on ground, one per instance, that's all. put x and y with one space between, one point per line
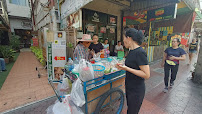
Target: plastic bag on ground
77 94
86 71
66 107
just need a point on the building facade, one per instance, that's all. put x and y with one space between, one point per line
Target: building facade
4 24
19 13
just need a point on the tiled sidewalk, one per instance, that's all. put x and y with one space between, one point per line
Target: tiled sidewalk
22 85
184 98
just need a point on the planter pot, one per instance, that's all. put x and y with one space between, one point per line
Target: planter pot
11 59
18 51
6 60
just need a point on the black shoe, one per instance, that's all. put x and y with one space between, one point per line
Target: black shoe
4 70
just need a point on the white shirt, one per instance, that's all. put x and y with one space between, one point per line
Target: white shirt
118 48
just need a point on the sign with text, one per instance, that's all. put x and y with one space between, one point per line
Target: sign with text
59 58
35 42
167 12
56 55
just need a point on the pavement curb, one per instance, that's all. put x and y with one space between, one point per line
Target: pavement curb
26 105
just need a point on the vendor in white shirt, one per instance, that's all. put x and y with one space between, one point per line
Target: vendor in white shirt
118 47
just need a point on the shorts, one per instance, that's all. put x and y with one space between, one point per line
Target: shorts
192 51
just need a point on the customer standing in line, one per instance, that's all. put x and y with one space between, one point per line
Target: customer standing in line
171 58
137 70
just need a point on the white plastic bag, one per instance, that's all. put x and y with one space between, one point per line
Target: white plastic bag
86 71
64 87
66 107
77 94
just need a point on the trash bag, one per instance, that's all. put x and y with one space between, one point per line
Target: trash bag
64 87
77 94
66 107
86 71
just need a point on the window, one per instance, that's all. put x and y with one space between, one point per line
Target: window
19 2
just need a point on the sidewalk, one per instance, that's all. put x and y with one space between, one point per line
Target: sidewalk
184 98
22 85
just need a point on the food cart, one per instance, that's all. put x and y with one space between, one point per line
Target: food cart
104 94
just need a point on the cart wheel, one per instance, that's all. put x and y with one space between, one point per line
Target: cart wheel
39 76
36 68
111 102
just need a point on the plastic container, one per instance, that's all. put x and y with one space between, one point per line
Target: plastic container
98 72
70 64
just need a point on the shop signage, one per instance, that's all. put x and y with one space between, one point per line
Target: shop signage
103 29
91 28
112 30
58 54
112 20
35 41
168 12
75 19
59 58
95 17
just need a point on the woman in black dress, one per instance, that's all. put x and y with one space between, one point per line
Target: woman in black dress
137 70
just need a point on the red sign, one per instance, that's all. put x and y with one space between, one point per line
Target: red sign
184 41
35 41
59 58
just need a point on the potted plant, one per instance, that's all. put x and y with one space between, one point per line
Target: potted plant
15 42
11 55
5 52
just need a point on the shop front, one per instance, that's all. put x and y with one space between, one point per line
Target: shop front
95 18
160 25
104 25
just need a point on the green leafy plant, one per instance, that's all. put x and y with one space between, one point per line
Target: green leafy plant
38 53
15 42
5 51
70 45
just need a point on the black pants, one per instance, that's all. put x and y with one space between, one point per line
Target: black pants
134 98
174 70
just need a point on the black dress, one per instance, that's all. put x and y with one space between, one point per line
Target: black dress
135 86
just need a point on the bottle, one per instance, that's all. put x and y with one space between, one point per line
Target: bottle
76 61
70 64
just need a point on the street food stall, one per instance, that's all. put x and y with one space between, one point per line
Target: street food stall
97 87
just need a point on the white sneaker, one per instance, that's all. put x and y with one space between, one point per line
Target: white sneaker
165 90
171 84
